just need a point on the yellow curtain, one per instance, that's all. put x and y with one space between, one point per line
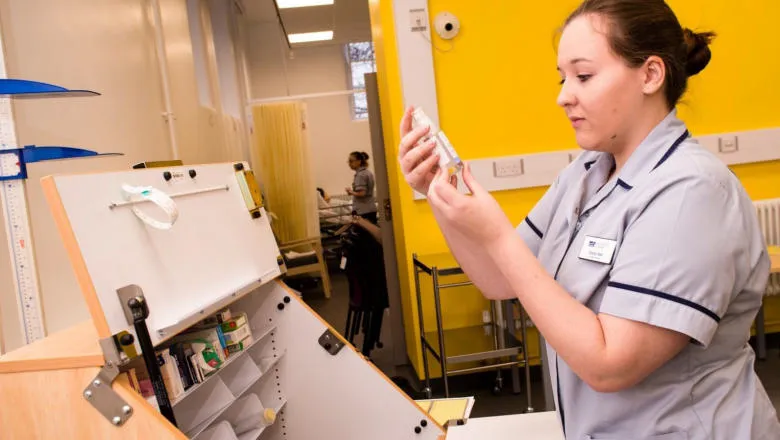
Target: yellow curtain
281 157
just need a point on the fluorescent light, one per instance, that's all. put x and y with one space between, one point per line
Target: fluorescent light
310 36
285 4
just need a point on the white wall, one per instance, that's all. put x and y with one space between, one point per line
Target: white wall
107 46
104 46
316 69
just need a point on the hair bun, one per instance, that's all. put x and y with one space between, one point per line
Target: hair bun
698 50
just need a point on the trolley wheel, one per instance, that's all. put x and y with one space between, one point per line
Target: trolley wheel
428 393
498 386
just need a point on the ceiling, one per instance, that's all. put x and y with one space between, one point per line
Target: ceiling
349 19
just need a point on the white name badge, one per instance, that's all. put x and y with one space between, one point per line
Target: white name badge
597 249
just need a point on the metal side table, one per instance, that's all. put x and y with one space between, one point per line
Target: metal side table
492 341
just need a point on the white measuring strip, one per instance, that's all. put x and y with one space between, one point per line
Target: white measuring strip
17 226
159 198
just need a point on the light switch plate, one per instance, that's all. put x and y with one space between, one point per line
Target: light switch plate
418 20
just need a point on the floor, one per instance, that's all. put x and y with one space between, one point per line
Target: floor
334 310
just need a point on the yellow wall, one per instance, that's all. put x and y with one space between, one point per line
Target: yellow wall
497 88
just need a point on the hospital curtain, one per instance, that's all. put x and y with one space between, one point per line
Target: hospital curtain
282 157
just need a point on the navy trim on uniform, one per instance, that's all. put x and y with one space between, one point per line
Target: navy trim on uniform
589 164
666 296
533 227
624 184
560 398
671 149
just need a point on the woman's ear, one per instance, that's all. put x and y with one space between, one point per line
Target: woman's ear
654 72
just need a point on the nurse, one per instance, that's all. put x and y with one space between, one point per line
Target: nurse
643 265
362 190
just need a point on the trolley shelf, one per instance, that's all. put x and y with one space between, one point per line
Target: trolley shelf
444 263
492 346
470 344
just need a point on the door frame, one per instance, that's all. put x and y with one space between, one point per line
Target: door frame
400 356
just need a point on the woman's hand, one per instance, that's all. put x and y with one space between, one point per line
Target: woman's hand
478 216
418 162
368 226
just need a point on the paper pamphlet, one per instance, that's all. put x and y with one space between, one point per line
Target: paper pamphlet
444 411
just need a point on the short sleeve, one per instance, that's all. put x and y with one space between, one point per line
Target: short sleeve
679 260
361 182
535 224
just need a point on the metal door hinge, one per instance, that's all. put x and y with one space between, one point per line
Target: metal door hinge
388 210
99 392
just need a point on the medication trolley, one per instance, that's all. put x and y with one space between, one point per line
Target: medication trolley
158 252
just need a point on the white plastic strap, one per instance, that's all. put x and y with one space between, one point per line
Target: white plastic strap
157 197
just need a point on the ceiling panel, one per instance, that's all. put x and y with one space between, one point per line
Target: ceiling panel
349 19
259 11
311 19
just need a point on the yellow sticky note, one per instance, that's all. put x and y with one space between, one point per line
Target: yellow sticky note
445 410
424 404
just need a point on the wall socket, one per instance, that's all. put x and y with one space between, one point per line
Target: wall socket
728 144
508 167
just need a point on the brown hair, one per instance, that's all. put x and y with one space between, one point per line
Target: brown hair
362 156
641 28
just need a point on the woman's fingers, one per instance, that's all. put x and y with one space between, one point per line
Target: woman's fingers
469 180
437 180
410 140
417 175
438 193
406 121
447 191
433 199
418 160
409 137
416 155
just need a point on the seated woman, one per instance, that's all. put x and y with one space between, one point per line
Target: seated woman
331 214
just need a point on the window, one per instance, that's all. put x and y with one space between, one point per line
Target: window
199 53
360 60
225 51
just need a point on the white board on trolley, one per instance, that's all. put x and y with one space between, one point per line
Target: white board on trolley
213 252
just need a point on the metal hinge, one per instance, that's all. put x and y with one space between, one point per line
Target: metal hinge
99 392
388 210
330 342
